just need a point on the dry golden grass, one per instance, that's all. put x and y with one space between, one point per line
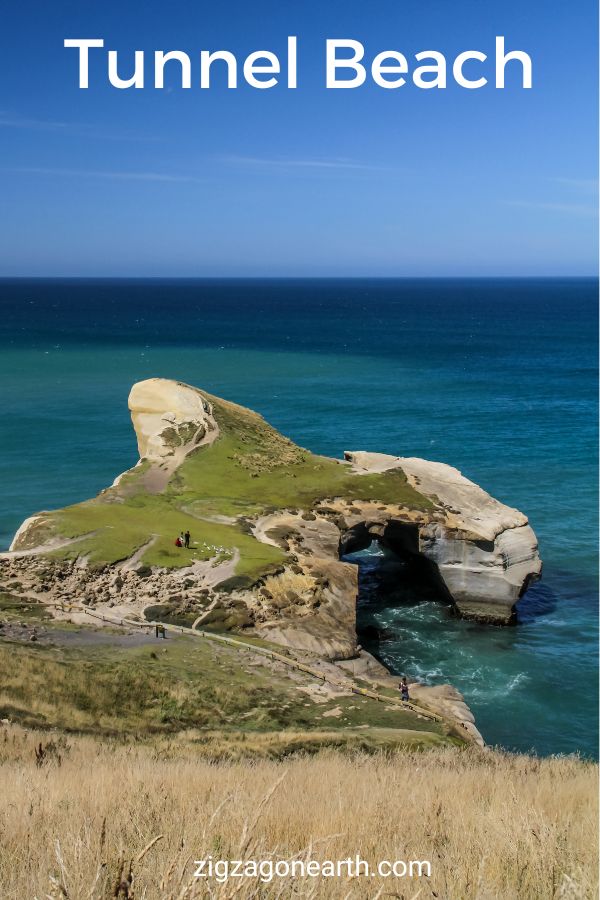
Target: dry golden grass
284 587
93 819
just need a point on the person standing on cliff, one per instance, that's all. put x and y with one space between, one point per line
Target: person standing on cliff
187 538
404 690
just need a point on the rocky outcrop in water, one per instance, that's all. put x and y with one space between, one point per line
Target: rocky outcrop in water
485 553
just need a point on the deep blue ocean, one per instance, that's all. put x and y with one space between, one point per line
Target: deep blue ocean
495 377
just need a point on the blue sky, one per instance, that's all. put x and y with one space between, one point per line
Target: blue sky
305 182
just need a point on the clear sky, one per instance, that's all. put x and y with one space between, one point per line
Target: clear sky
305 182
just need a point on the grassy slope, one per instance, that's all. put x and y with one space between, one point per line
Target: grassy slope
251 468
99 681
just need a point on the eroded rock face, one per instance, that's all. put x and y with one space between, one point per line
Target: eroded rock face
485 552
168 417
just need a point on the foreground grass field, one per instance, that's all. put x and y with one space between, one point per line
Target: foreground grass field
84 818
124 758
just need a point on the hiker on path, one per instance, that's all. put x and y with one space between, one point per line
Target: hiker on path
404 690
187 536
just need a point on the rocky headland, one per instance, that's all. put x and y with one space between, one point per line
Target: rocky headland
269 523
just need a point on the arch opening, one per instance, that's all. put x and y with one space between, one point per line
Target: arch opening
392 575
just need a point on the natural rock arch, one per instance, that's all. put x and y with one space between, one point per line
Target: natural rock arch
401 539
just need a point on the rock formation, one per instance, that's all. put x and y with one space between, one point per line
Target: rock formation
269 522
485 553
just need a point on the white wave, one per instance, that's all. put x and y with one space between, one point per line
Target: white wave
518 679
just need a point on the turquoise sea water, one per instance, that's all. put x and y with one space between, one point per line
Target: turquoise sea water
496 377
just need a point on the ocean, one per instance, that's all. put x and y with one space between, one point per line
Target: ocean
494 376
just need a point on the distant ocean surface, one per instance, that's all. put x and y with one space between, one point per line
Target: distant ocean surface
495 377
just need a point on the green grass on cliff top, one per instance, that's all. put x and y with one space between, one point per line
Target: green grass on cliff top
250 469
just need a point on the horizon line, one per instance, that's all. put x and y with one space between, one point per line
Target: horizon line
466 276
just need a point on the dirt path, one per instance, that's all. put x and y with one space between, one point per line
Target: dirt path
133 562
159 474
48 547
